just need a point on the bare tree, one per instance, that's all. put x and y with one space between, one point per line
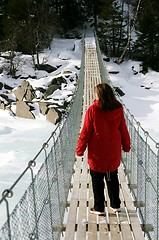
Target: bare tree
129 33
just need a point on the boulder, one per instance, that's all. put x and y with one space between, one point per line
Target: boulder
53 116
23 110
21 91
25 94
106 59
50 90
46 67
1 85
58 80
25 90
2 105
113 72
25 85
30 94
7 87
43 107
119 91
6 99
77 67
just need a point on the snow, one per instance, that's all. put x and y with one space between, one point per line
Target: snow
141 93
21 139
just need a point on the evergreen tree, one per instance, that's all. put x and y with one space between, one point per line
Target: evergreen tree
2 12
93 9
31 28
146 47
71 14
111 28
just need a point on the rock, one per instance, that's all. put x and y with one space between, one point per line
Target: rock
113 72
1 70
2 105
25 90
33 77
68 73
30 94
58 81
106 59
77 67
6 98
40 89
46 67
23 110
50 90
1 85
7 87
43 107
16 77
135 72
25 85
119 91
24 77
25 94
9 108
19 93
53 116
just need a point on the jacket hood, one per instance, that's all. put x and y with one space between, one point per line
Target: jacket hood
110 115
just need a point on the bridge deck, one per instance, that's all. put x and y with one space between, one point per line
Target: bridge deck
80 224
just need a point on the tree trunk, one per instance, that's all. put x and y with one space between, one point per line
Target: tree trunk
129 34
121 29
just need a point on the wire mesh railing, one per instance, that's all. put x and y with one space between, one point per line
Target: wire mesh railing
142 171
39 213
141 166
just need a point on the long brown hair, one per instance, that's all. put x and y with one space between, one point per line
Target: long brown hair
106 98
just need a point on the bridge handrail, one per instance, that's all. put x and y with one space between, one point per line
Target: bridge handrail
141 166
39 212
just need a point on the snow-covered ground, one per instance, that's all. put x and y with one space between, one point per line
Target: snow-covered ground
21 139
141 93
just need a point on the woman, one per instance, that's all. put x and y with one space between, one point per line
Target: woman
105 134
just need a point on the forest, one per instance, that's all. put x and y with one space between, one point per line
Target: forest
127 29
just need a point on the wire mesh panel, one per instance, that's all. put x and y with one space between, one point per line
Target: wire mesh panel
142 170
39 213
141 166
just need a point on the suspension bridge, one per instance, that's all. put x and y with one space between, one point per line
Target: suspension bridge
56 204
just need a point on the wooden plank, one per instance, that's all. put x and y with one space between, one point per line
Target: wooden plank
92 226
92 218
133 218
124 220
71 221
82 209
114 227
114 224
81 220
103 228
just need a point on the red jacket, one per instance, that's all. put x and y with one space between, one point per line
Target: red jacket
105 134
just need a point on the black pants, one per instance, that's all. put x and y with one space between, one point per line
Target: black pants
112 181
